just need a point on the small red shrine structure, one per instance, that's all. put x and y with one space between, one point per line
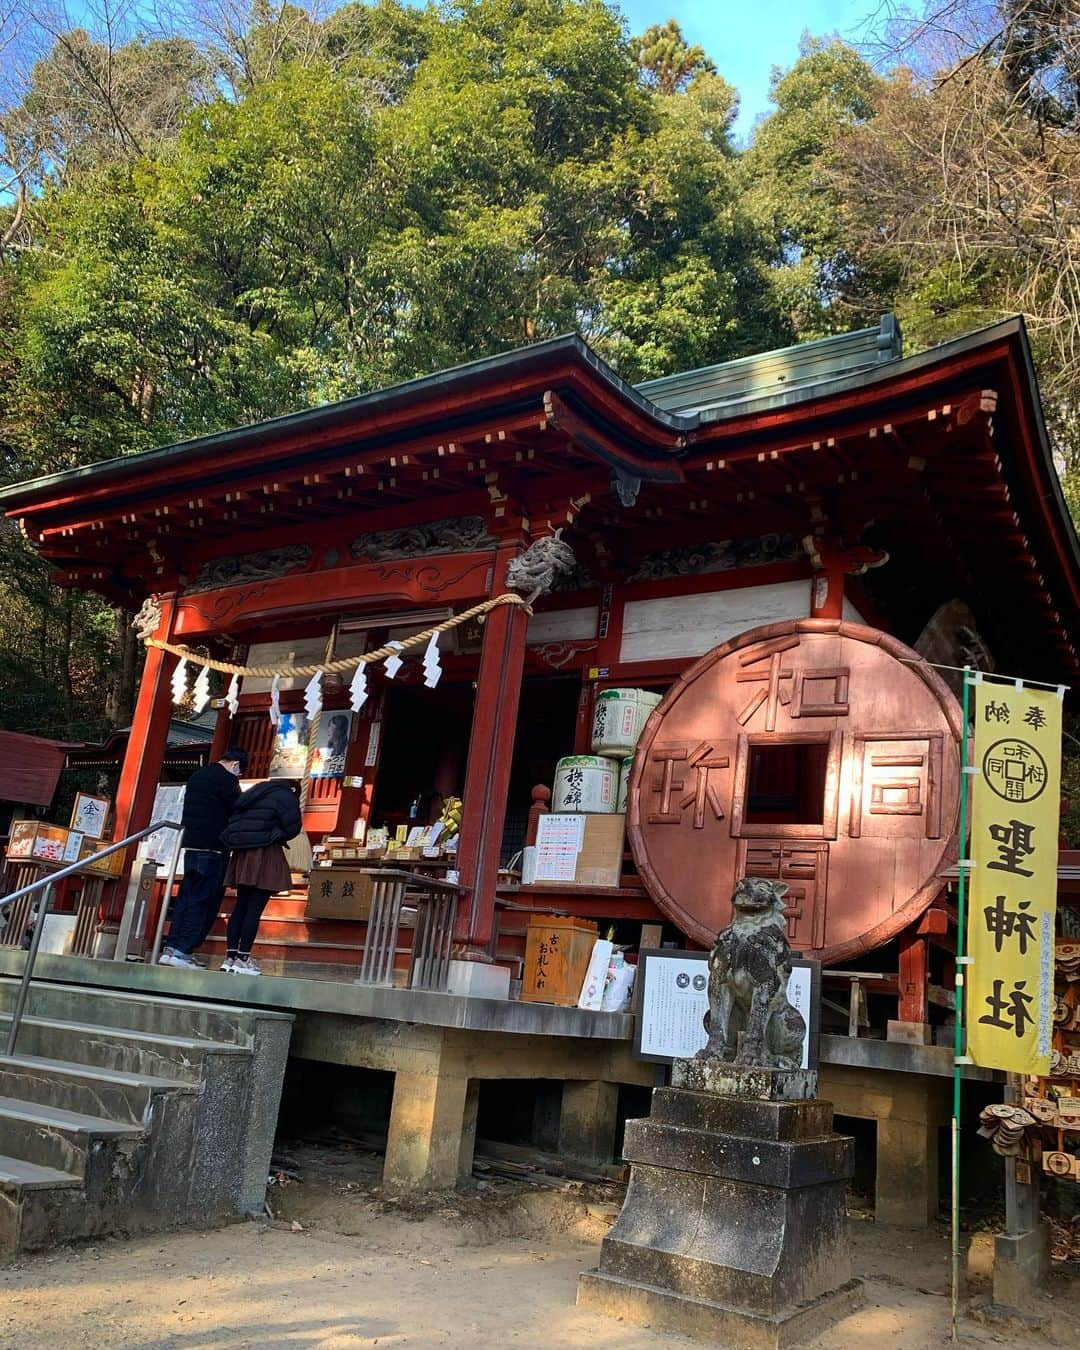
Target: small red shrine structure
771 543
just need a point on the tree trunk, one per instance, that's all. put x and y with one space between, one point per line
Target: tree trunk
65 664
120 705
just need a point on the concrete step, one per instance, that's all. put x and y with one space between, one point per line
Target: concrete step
126 1097
143 1053
130 1112
194 1020
54 1137
17 1175
31 1198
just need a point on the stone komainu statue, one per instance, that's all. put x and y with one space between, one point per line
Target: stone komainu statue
750 1020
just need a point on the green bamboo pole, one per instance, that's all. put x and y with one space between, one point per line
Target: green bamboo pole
958 998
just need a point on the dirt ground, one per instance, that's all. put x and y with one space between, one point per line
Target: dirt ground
339 1266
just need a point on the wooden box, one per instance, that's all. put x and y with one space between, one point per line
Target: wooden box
111 866
36 841
340 893
557 952
599 860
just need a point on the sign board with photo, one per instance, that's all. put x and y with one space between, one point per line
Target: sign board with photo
671 998
290 756
331 745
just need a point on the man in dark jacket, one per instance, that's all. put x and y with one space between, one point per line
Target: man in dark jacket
209 798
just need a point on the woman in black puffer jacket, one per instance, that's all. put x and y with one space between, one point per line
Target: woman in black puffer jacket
264 819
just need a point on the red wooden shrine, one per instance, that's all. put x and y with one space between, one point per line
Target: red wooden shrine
767 549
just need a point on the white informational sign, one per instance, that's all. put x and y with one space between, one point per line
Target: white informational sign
673 998
558 842
158 847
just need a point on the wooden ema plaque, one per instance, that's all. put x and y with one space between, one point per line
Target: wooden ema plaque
815 752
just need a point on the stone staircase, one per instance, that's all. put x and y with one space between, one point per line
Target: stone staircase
124 1112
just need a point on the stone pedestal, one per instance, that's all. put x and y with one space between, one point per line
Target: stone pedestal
733 1228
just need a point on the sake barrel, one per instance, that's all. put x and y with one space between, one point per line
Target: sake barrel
625 765
618 719
585 783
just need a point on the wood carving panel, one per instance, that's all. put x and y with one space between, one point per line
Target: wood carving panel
818 752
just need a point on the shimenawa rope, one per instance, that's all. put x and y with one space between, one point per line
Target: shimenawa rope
347 662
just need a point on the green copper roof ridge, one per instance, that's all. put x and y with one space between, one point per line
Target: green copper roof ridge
833 339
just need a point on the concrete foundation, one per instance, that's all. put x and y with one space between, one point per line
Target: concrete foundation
421 1036
588 1121
909 1110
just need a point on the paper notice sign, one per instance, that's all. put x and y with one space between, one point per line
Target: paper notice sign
559 839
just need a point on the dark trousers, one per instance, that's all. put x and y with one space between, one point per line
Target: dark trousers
199 901
244 920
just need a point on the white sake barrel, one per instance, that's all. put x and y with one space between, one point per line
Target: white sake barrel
585 783
625 766
619 718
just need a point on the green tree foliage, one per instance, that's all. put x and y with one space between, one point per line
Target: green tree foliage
270 207
261 206
667 62
819 283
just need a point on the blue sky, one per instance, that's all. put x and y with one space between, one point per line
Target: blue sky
747 39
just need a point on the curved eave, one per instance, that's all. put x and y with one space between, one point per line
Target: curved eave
439 402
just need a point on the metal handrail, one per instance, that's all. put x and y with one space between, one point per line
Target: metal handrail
46 884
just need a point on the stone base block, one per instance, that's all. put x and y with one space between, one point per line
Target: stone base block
475 980
645 1304
1021 1265
738 1080
909 1033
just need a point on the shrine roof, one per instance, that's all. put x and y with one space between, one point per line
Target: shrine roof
677 410
676 405
30 767
946 451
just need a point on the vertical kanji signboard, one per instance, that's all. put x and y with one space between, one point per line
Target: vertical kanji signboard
1013 893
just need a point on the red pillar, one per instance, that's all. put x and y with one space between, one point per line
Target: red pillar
914 978
222 735
487 774
149 734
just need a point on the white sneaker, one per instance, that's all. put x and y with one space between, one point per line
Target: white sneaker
181 959
244 965
227 965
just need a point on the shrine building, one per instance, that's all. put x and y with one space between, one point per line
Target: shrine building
795 552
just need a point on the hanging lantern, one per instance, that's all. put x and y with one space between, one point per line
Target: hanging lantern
179 681
313 695
232 696
432 668
358 690
393 663
201 691
275 700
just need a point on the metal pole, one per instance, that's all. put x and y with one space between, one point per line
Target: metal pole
31 956
166 898
958 998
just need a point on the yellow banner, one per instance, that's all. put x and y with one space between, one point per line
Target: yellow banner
1012 892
